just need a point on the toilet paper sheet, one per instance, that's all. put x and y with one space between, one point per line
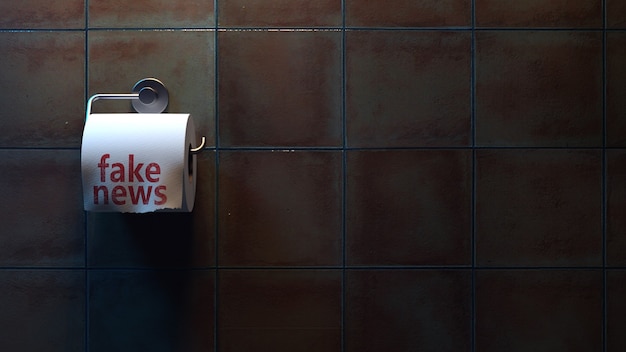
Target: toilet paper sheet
138 163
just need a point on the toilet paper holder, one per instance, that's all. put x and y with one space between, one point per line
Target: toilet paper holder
149 95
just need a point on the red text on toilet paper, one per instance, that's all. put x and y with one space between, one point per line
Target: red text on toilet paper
143 178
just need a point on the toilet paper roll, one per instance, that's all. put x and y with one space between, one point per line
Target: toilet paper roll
138 163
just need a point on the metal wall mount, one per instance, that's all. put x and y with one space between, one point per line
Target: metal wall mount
149 95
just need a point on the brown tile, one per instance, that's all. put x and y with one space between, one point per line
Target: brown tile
41 215
151 311
403 310
43 79
408 88
159 239
539 207
409 207
280 88
279 310
35 14
280 13
42 310
151 14
280 208
538 13
616 310
540 310
616 13
182 60
408 13
527 94
616 204
616 89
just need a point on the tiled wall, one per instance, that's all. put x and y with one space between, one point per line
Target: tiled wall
409 175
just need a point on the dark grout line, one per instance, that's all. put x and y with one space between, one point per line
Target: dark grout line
347 148
473 175
468 267
316 267
87 327
22 148
341 148
153 29
604 203
216 28
40 30
216 283
344 168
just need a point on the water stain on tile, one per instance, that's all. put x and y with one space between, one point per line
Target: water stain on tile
526 92
280 13
616 89
408 13
421 203
280 208
34 14
289 98
616 203
407 88
538 13
527 213
616 14
279 310
43 223
151 14
539 310
43 85
48 304
407 310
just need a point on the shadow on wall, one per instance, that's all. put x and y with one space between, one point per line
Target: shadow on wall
171 303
